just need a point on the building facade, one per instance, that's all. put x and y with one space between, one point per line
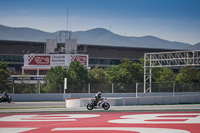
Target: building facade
14 53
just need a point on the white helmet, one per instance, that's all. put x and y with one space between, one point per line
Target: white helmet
99 93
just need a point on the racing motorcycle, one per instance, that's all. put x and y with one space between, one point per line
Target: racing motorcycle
5 99
101 104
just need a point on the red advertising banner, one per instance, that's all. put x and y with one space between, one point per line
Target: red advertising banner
39 60
80 58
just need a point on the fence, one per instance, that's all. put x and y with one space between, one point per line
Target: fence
170 88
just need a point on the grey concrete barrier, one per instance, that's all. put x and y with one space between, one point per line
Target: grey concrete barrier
175 99
197 99
146 100
39 97
115 99
129 101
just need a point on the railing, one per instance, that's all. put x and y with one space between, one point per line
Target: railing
158 89
169 89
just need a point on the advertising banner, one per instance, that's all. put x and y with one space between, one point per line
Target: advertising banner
54 59
59 60
39 60
81 58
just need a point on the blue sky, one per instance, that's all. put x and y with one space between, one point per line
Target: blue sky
174 20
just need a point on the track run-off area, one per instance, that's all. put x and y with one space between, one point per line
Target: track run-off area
93 122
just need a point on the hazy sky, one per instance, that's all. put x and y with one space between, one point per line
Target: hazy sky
174 20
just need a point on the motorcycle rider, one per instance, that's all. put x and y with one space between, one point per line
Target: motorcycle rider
5 98
5 95
98 102
97 98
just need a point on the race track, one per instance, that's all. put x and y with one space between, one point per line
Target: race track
60 107
35 118
91 122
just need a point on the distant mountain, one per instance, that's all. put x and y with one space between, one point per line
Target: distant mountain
98 36
24 34
101 36
195 47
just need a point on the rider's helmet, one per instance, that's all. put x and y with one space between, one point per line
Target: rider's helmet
99 93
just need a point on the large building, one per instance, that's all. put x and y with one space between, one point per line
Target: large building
12 52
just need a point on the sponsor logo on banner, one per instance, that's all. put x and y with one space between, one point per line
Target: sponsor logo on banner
58 60
38 60
80 58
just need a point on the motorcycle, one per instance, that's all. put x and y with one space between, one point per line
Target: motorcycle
5 99
101 104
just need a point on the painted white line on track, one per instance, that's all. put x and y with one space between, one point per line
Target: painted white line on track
52 117
167 118
15 130
140 130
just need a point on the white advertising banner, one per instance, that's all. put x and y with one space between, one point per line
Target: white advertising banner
54 59
59 60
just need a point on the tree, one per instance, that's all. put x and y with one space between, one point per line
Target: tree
163 75
77 73
24 87
54 79
187 75
99 80
125 75
4 75
98 75
131 72
77 77
113 74
164 78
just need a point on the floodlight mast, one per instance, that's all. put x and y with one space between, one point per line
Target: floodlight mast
167 59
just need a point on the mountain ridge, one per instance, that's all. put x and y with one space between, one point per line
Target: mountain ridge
96 36
195 46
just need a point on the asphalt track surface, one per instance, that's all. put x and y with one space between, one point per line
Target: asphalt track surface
53 117
60 107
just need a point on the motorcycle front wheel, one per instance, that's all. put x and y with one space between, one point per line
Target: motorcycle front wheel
106 106
10 100
90 107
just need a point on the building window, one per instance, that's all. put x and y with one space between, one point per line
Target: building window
43 72
104 61
30 72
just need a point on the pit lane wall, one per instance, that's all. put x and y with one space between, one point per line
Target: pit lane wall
115 99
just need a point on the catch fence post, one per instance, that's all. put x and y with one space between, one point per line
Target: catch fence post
65 84
39 87
88 87
136 90
112 88
13 88
174 85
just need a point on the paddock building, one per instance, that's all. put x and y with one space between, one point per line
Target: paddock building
14 53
